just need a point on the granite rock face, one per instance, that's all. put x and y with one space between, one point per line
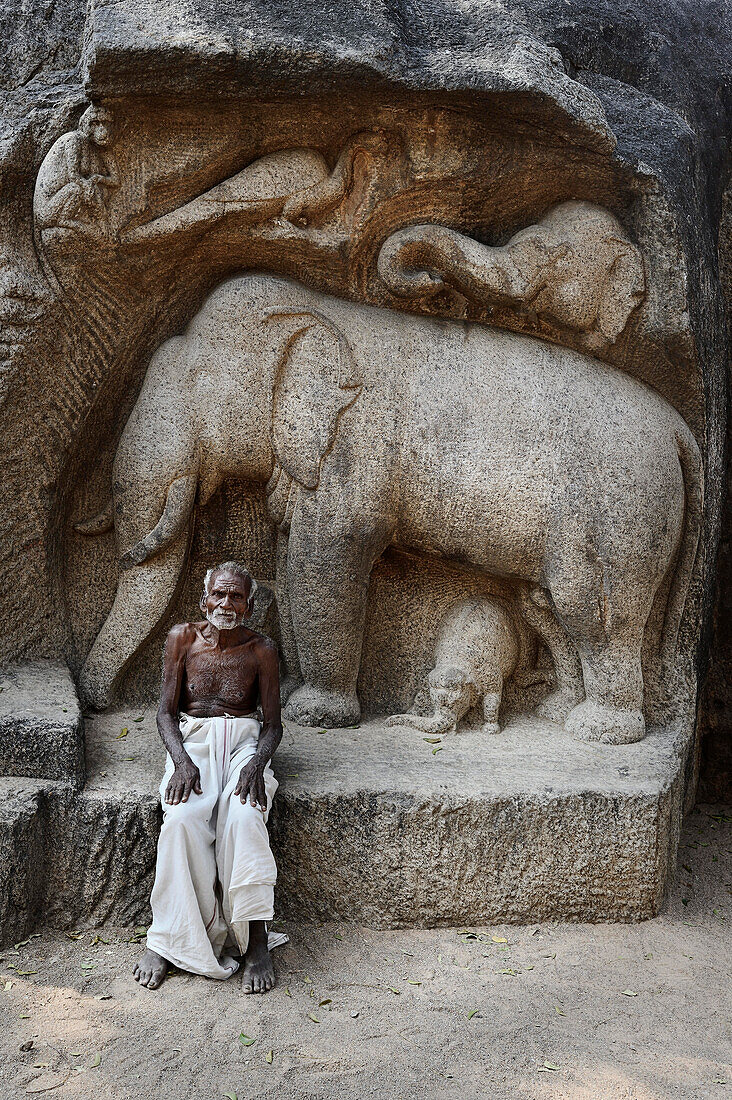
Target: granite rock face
544 179
41 727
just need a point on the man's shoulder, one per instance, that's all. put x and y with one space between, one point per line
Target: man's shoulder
182 634
262 644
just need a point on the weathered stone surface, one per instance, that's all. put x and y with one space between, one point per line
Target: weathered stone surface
41 728
22 857
360 818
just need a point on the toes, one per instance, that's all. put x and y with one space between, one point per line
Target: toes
257 984
247 986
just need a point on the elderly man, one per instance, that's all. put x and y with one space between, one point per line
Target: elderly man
214 883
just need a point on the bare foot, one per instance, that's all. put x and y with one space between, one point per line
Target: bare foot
258 974
151 969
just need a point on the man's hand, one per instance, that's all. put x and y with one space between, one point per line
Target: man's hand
185 778
251 784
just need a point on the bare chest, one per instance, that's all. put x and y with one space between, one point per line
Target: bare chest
230 676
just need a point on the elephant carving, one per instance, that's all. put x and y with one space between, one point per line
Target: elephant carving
576 269
371 428
482 643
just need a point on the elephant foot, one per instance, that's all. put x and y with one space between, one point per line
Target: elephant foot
287 685
590 721
557 705
314 706
94 689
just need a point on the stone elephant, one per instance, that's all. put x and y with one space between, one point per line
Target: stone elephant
373 428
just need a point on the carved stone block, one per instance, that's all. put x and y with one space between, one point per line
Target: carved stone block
41 727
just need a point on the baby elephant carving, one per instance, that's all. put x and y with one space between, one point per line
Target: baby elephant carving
482 643
576 269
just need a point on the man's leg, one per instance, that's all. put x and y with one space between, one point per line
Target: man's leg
188 927
248 872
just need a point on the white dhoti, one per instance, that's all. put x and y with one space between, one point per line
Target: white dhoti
215 869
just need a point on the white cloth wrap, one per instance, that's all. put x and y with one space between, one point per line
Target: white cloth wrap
215 869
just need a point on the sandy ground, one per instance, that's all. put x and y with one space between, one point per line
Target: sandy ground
556 1012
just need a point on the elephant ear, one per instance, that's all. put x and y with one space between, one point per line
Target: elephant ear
317 378
624 289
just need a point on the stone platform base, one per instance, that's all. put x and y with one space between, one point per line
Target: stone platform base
371 826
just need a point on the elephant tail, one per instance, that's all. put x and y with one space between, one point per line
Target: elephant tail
693 475
176 513
99 524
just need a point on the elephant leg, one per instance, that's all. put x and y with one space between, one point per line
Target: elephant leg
328 570
144 594
607 629
293 675
612 711
491 708
568 691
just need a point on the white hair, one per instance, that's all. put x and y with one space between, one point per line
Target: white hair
234 567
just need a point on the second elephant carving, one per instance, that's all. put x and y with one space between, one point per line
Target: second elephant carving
374 428
575 269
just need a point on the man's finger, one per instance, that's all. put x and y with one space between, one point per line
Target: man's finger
262 793
197 786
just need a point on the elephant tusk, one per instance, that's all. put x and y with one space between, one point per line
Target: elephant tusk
99 524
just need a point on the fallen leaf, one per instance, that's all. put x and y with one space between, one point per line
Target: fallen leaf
559 1011
246 1041
327 1001
313 1018
550 1065
499 939
231 1096
269 1056
473 1012
20 943
140 719
124 733
322 731
354 1015
8 986
88 966
509 970
628 993
306 979
287 992
432 740
438 749
95 1061
529 968
27 972
102 996
24 1016
394 990
411 981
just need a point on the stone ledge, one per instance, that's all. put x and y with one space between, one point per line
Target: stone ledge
41 727
370 826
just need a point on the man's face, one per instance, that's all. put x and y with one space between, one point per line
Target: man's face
226 604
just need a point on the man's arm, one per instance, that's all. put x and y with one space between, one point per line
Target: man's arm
186 777
251 779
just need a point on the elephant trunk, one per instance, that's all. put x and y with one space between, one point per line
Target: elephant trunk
144 594
442 721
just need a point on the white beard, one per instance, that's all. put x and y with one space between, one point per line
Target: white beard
224 620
